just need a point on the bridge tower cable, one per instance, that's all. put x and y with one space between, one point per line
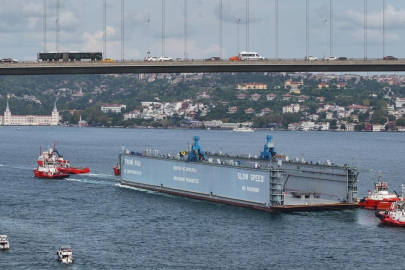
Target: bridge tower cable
122 31
276 29
307 27
237 35
365 29
104 29
57 26
384 22
148 52
44 26
185 30
220 29
163 27
247 28
331 28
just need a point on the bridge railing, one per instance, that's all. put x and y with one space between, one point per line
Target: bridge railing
177 62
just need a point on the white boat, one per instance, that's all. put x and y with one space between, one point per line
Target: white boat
4 244
243 129
65 255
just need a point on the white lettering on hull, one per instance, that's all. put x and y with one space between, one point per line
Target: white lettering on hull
132 162
184 169
186 179
132 172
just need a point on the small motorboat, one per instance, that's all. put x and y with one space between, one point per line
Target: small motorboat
65 255
243 129
4 244
395 216
380 198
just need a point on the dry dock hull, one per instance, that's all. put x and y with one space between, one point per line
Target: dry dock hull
216 199
251 187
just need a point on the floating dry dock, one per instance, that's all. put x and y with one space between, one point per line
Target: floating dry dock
267 182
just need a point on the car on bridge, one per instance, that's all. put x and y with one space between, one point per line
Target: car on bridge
151 59
331 58
234 58
107 60
390 58
342 58
165 59
310 58
8 60
250 56
214 58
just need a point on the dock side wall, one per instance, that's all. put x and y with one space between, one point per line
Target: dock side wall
232 182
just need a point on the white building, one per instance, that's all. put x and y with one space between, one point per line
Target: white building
112 108
399 102
293 108
30 120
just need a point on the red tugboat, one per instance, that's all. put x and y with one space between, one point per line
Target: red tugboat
380 198
49 172
395 216
117 170
53 157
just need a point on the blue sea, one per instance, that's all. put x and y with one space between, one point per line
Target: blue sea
109 227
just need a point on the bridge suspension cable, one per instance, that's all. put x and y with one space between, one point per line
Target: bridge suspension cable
331 28
384 22
365 29
57 26
185 30
307 28
104 28
163 27
122 30
220 29
247 28
44 26
276 28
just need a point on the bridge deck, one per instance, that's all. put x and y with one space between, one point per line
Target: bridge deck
196 66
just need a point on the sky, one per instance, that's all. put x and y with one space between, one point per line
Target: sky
81 28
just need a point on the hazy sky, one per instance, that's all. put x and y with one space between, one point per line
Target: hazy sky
81 23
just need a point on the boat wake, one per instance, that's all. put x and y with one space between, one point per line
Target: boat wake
137 189
17 167
101 175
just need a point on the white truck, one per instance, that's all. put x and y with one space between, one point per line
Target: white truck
251 56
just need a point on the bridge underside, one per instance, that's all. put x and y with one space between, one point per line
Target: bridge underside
179 67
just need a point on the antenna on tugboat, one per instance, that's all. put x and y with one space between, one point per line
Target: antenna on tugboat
54 145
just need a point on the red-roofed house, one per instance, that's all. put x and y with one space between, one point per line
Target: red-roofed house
266 111
232 109
320 99
241 96
270 96
323 85
286 97
249 111
341 85
294 86
358 108
255 97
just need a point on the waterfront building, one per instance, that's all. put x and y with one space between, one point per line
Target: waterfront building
247 86
113 108
30 120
